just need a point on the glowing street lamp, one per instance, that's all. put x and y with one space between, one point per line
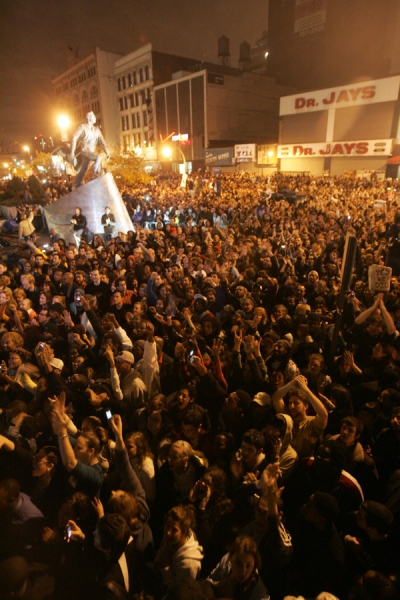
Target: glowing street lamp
26 149
63 123
167 152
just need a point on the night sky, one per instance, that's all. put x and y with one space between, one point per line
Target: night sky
34 36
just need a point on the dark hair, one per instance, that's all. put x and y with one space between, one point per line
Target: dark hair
353 422
114 534
342 398
246 544
254 437
193 417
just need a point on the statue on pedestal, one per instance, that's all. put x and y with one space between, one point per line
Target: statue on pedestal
83 149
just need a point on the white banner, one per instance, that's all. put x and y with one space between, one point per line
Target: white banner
246 152
357 94
356 148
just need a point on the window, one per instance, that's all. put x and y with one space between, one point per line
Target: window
119 84
143 95
129 80
141 75
138 119
139 139
94 92
136 99
123 123
123 82
144 118
125 103
134 78
148 94
76 99
84 96
133 121
147 72
121 104
131 100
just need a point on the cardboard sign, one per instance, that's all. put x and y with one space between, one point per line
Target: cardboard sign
379 278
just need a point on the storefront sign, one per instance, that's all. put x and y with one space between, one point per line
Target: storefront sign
221 157
357 94
357 148
245 152
309 16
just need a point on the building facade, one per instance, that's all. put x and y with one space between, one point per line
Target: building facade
345 129
88 85
217 109
315 44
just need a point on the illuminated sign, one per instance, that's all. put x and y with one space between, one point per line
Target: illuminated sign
357 94
180 137
357 148
245 152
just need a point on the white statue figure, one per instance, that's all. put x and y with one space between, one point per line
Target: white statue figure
85 140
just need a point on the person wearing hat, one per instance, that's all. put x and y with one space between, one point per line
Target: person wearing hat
307 430
280 360
126 382
200 308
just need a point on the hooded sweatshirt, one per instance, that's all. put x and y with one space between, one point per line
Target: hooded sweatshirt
185 563
288 456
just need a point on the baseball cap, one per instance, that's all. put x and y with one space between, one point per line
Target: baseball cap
57 363
125 356
262 398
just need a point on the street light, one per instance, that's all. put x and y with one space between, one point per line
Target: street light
167 152
63 123
26 149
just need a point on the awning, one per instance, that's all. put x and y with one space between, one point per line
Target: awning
393 160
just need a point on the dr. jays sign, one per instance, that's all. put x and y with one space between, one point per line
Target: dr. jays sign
357 94
356 148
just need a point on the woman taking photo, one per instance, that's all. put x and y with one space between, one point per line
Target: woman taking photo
81 460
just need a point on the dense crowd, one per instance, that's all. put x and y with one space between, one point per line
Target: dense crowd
175 421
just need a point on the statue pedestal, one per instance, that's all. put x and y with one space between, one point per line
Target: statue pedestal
92 198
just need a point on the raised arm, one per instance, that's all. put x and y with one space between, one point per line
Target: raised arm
321 419
369 311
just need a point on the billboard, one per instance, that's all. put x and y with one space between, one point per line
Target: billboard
356 148
245 152
357 94
219 157
309 16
